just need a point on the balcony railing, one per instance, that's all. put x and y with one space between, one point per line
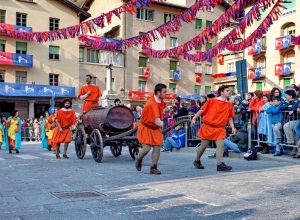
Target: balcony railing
144 72
257 73
284 69
284 42
16 59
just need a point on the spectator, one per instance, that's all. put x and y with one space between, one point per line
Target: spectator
177 139
238 123
166 113
202 101
211 96
255 104
178 102
265 125
277 92
297 130
245 104
36 128
276 118
138 113
290 107
183 111
117 102
193 109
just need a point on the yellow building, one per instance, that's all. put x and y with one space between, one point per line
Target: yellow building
130 76
269 57
26 82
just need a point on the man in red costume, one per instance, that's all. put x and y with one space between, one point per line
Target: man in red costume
216 114
90 94
150 128
64 120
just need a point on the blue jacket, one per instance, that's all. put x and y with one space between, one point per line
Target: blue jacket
290 107
276 114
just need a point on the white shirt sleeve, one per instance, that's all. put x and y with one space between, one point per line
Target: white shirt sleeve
82 97
159 122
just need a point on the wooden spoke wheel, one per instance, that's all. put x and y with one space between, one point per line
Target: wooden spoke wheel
116 150
96 145
134 150
80 142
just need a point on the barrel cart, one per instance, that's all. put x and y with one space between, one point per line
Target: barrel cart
101 127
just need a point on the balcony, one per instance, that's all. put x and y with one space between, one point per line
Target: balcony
282 43
174 75
15 59
256 73
144 72
285 69
259 48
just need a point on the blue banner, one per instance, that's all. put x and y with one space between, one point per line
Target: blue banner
286 41
189 97
177 75
257 73
258 47
21 28
22 59
33 90
287 69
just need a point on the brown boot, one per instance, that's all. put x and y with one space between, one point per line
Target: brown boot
138 164
154 170
198 165
265 150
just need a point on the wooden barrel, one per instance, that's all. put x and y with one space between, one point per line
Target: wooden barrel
116 118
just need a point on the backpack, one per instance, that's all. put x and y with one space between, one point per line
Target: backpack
251 154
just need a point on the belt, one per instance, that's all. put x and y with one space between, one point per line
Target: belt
92 102
212 126
152 127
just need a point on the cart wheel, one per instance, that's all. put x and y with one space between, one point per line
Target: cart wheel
134 150
80 142
97 145
116 150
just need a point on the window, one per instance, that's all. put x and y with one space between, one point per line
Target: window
53 79
142 86
2 45
21 47
173 65
2 76
208 46
172 87
2 16
259 86
168 17
145 14
21 19
230 67
198 68
21 77
198 23
143 61
286 83
53 52
208 23
207 89
197 89
173 42
261 62
92 56
208 68
81 54
53 24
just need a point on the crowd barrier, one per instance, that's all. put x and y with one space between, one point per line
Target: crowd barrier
260 131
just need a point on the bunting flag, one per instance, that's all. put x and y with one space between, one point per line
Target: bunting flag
295 40
198 77
76 30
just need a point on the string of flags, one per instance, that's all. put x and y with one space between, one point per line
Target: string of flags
75 31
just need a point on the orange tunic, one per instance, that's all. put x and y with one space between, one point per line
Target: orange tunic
148 132
216 114
93 98
48 125
66 119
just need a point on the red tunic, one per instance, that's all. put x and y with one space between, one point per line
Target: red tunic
216 114
66 119
93 98
148 132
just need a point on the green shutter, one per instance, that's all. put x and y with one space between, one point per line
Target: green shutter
2 41
53 50
286 83
198 23
173 65
197 89
21 46
143 61
207 89
142 82
208 23
208 46
172 85
259 86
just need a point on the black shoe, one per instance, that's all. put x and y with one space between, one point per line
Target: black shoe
223 167
212 156
17 151
198 165
65 156
226 154
58 156
10 151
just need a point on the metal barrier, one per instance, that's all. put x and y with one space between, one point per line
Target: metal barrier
261 130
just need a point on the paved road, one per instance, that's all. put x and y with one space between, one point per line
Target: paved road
253 190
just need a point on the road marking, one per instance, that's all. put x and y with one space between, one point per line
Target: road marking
1 159
49 154
26 157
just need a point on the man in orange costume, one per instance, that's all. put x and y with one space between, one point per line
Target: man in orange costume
216 114
64 120
150 128
90 94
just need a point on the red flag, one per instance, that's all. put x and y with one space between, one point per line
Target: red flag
279 43
220 59
251 50
147 72
198 77
251 73
278 69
